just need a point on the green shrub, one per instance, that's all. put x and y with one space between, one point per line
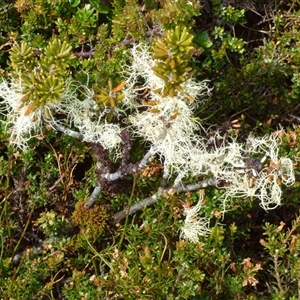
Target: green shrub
67 231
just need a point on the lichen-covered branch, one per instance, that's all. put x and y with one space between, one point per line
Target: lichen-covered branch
93 197
104 175
67 131
161 192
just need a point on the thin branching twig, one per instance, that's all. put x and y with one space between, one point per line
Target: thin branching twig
161 192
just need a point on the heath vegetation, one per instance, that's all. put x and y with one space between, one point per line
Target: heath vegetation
149 149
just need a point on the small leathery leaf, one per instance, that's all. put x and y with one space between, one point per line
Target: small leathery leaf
119 87
31 107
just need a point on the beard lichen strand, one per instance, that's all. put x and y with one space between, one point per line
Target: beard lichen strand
22 126
194 225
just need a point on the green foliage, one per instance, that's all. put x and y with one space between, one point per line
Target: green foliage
283 247
265 81
40 14
8 18
81 286
118 6
51 223
172 13
43 79
229 13
110 96
52 247
80 27
173 55
39 271
129 20
100 6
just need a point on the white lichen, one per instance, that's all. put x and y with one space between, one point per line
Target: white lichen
89 120
167 123
24 124
194 225
168 126
21 122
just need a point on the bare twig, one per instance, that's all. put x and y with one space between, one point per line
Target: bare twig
139 206
104 175
84 54
165 178
93 197
67 131
200 185
161 192
130 168
127 41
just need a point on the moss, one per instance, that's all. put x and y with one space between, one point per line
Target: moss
92 221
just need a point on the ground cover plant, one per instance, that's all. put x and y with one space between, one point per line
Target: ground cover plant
149 149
